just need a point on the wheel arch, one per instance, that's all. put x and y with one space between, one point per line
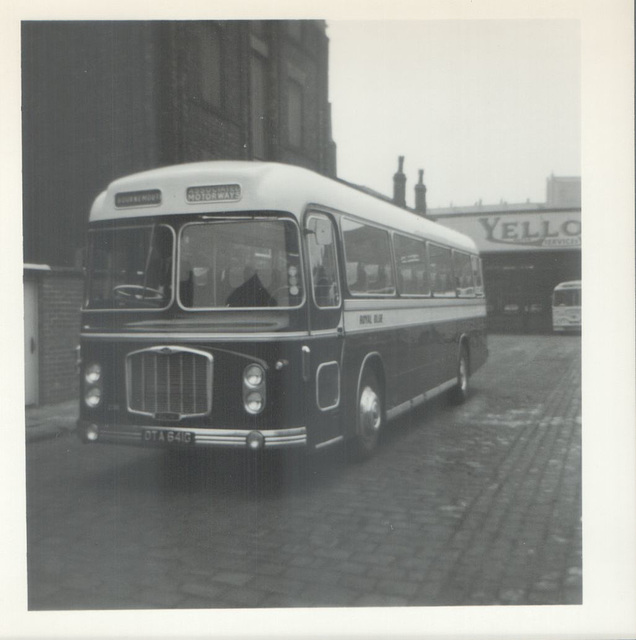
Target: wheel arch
373 361
464 343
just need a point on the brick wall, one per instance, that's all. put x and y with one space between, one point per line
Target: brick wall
60 300
89 116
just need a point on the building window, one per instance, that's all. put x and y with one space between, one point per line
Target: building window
258 106
294 114
210 66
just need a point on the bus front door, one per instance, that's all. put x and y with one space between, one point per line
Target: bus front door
322 353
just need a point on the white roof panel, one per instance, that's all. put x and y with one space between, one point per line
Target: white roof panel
263 186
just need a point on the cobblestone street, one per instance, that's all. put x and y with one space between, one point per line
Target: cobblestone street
470 505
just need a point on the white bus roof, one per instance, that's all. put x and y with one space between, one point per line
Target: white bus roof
264 186
572 284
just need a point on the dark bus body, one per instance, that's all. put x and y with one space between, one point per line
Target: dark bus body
261 306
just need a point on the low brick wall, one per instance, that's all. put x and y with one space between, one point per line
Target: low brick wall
60 301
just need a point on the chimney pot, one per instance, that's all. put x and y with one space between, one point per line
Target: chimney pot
399 184
420 195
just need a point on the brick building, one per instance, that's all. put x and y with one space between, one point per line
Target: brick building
105 99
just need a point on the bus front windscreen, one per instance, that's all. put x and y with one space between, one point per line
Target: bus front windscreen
130 267
567 298
240 263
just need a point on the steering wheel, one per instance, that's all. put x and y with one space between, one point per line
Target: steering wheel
137 291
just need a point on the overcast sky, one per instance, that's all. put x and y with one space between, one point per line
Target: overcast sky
488 108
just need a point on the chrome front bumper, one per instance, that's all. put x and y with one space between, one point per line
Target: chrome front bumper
234 438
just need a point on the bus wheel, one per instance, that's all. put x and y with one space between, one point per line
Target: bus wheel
460 390
369 417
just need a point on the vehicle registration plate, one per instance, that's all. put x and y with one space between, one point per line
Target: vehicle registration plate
167 436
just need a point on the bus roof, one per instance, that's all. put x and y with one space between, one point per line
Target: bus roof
572 284
237 186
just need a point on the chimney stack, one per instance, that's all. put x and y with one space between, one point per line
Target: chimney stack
399 185
420 195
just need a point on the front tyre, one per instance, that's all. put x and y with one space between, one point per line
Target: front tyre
369 417
459 392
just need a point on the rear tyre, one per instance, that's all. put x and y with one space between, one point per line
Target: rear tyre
369 417
460 391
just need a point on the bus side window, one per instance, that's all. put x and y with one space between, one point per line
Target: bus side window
361 278
463 275
441 264
477 276
412 265
368 258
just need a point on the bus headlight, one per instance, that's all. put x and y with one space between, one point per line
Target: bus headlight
92 397
93 373
254 388
253 375
254 402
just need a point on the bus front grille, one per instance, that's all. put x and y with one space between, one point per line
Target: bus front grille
169 382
